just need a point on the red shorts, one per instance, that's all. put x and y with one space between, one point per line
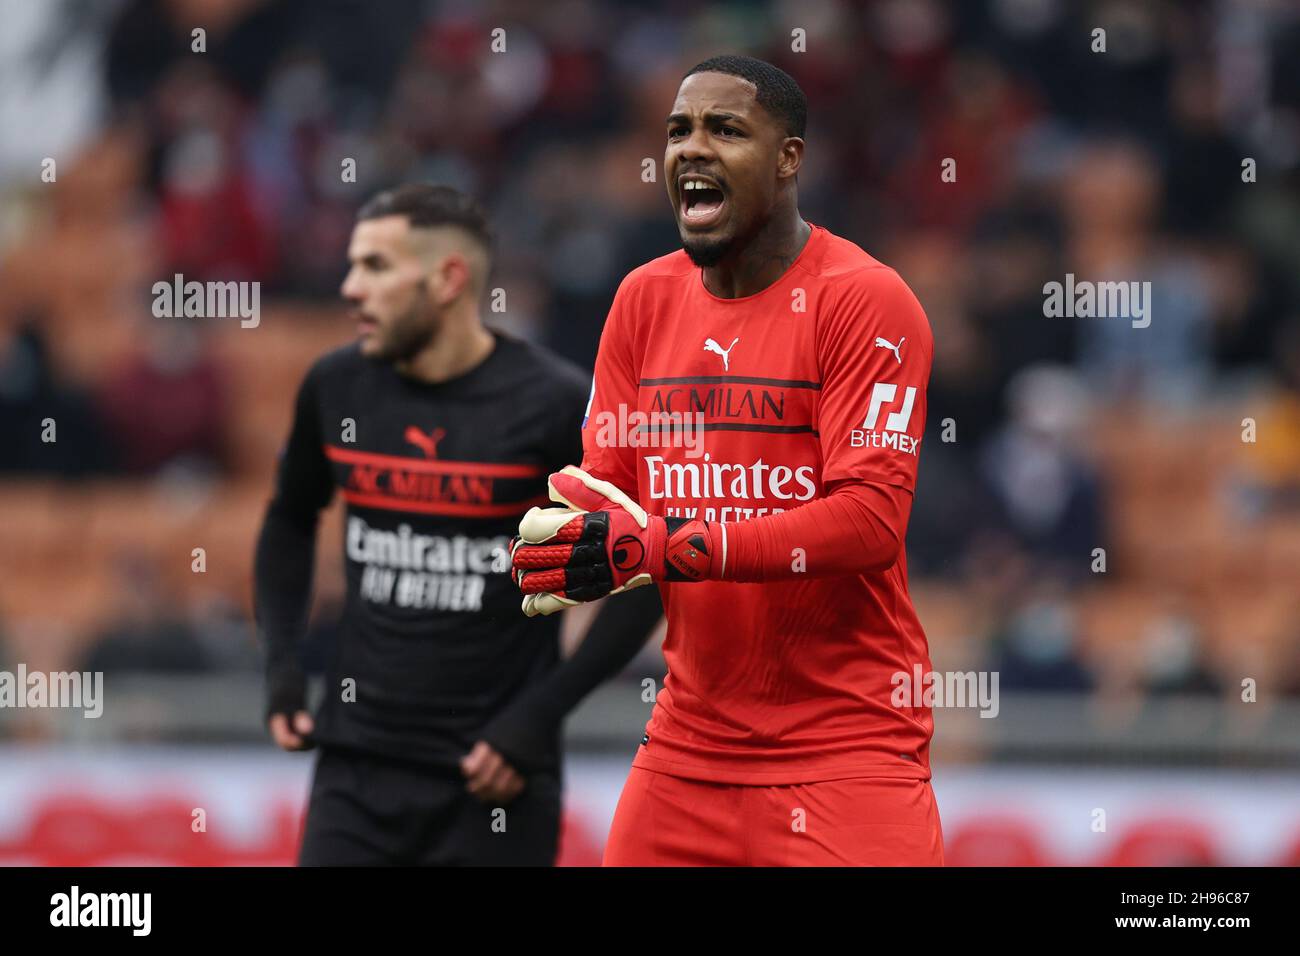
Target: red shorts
664 820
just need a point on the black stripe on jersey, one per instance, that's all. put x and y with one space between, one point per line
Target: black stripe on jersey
725 427
724 379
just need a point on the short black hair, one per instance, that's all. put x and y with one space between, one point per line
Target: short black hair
426 206
778 93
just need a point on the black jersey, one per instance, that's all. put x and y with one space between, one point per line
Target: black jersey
435 478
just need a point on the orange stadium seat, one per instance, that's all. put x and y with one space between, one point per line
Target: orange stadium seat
954 622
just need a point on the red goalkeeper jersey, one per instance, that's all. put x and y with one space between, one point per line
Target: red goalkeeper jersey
731 410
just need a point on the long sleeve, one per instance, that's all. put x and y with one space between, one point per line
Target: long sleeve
285 556
527 729
525 732
875 350
858 528
614 383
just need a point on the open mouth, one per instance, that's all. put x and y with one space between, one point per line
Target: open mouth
701 201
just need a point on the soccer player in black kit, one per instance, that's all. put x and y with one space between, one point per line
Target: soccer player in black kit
439 732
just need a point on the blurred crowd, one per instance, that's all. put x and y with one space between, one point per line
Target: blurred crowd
1102 507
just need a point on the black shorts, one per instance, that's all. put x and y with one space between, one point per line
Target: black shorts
366 811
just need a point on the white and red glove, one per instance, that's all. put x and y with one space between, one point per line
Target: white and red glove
602 543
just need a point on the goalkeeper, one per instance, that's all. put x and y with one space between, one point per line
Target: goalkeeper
776 541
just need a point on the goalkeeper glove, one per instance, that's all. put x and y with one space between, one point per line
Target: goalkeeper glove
602 543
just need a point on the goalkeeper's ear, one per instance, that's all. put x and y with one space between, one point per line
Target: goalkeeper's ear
583 492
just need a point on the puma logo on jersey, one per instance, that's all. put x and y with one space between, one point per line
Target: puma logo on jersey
712 346
886 344
426 443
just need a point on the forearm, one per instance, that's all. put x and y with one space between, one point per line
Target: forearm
858 528
621 628
282 581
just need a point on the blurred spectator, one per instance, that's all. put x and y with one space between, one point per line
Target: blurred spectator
1047 494
33 404
1158 349
225 636
1173 658
959 510
1266 476
212 225
1037 648
166 404
145 630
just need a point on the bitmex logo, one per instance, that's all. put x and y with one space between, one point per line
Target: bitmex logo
896 423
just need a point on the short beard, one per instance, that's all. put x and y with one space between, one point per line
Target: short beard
411 333
706 252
